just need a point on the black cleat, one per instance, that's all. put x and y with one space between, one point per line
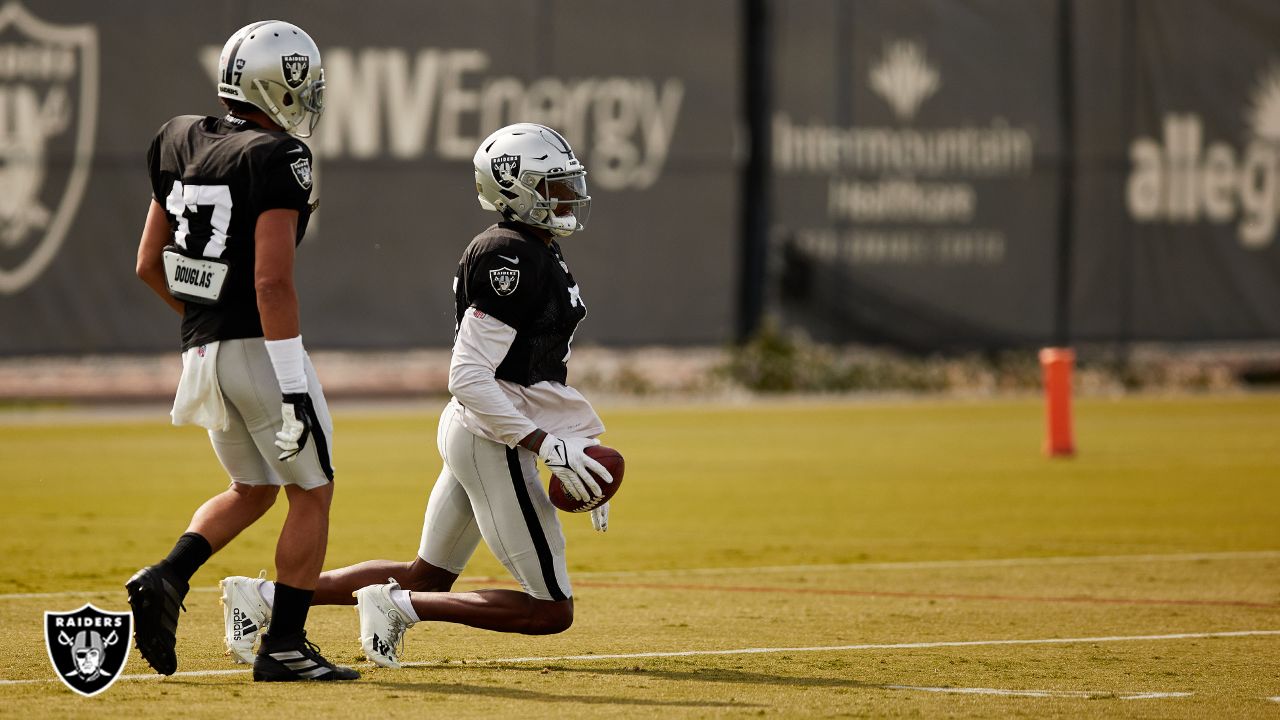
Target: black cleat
294 659
155 595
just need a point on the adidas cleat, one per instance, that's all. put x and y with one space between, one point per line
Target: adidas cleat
155 596
245 615
295 659
382 624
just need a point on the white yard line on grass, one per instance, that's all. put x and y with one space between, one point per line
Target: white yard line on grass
1085 694
743 651
148 676
905 565
749 651
945 564
889 646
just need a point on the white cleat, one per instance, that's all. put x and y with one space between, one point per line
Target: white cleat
382 624
245 615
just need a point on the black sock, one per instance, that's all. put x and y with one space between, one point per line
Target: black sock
188 554
289 612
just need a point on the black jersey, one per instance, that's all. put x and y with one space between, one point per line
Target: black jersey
214 177
514 276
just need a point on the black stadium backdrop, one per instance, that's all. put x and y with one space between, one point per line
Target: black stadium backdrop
931 174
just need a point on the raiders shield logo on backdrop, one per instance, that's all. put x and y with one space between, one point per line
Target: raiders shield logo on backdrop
505 169
295 69
504 280
49 99
88 647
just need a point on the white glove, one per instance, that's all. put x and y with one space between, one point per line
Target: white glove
600 518
296 428
568 460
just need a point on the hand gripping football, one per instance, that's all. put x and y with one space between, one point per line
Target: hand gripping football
612 461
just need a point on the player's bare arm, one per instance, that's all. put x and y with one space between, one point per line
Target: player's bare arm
273 273
155 235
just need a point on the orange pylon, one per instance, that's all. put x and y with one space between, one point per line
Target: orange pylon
1057 364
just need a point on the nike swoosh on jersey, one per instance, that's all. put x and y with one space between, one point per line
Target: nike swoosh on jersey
512 260
295 150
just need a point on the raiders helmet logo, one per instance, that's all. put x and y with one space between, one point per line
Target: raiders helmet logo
302 172
295 68
504 280
506 168
88 647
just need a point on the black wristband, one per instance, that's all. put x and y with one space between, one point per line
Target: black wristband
533 441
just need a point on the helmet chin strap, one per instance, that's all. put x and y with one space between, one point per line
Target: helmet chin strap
279 116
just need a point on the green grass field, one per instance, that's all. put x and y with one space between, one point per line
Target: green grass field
917 559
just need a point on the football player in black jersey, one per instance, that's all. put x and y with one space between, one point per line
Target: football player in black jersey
517 306
231 198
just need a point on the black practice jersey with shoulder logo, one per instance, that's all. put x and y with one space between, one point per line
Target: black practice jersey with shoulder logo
519 279
214 177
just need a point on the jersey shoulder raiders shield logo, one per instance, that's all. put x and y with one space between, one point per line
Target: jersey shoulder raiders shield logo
302 172
504 280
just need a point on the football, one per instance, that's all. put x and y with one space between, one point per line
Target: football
611 460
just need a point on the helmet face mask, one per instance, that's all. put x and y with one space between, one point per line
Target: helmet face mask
275 67
564 204
528 173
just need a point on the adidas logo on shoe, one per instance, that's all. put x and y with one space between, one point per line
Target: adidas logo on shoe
241 624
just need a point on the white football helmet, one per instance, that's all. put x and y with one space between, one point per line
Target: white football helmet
274 66
528 172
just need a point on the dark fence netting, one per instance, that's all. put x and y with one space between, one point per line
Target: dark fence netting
412 89
943 168
944 174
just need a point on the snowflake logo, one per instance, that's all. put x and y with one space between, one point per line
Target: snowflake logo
904 78
1264 110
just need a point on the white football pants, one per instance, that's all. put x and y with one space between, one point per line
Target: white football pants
487 490
247 448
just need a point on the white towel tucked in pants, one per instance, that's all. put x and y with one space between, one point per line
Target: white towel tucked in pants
199 398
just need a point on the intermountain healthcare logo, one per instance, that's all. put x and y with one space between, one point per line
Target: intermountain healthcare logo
88 647
1183 181
905 191
48 110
